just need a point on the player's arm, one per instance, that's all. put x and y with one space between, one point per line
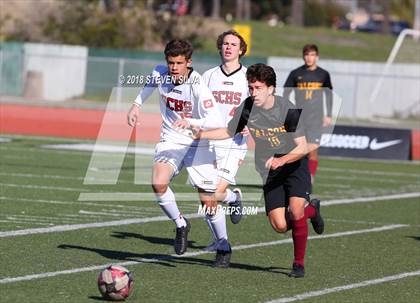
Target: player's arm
294 155
235 126
328 100
144 94
133 114
288 86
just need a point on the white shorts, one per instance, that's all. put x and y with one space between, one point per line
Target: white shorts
198 160
228 161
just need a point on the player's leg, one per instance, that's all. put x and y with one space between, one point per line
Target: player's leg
298 187
217 219
278 220
313 160
162 174
228 162
299 235
203 176
167 164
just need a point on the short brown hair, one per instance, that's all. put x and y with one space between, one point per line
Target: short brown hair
178 47
310 48
261 72
243 45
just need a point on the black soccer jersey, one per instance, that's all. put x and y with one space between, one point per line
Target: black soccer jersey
309 87
273 130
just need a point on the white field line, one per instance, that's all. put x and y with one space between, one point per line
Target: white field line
193 254
352 221
108 214
369 172
75 203
345 287
44 187
41 219
63 228
359 178
59 177
23 222
371 199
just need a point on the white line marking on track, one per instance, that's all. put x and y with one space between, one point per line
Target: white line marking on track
63 228
326 291
193 254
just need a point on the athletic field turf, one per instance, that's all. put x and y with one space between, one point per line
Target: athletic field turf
57 232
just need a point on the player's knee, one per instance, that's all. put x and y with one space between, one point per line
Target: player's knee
279 226
159 188
296 212
211 205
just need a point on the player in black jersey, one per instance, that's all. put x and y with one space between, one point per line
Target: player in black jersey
310 83
280 158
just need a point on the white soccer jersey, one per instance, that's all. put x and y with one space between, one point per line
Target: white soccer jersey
191 100
229 92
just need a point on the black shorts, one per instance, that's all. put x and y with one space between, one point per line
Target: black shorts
291 180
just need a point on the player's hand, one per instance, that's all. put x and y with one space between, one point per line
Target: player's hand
274 163
196 132
181 124
245 131
133 115
327 121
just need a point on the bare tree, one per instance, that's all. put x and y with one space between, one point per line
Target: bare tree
247 9
386 28
239 9
297 12
197 8
215 9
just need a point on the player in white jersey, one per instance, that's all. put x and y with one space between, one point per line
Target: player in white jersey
183 95
229 87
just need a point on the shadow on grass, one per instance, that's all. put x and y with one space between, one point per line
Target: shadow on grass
171 260
150 239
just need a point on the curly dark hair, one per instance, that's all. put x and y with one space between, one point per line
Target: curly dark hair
243 45
178 47
261 72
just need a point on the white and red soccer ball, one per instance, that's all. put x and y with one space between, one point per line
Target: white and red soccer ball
115 283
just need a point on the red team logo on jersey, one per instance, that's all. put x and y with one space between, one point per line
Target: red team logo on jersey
184 107
227 97
208 103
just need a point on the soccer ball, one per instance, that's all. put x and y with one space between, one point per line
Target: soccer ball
115 283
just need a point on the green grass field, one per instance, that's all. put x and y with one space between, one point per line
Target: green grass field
287 41
52 248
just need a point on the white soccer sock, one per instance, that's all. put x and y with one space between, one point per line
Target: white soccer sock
168 204
230 196
218 222
211 228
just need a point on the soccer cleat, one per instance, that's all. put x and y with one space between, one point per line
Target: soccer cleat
298 271
181 238
223 258
317 222
236 214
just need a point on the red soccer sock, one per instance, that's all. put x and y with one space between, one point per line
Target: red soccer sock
313 165
300 237
310 211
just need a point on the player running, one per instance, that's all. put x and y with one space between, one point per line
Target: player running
229 87
184 95
310 82
280 158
